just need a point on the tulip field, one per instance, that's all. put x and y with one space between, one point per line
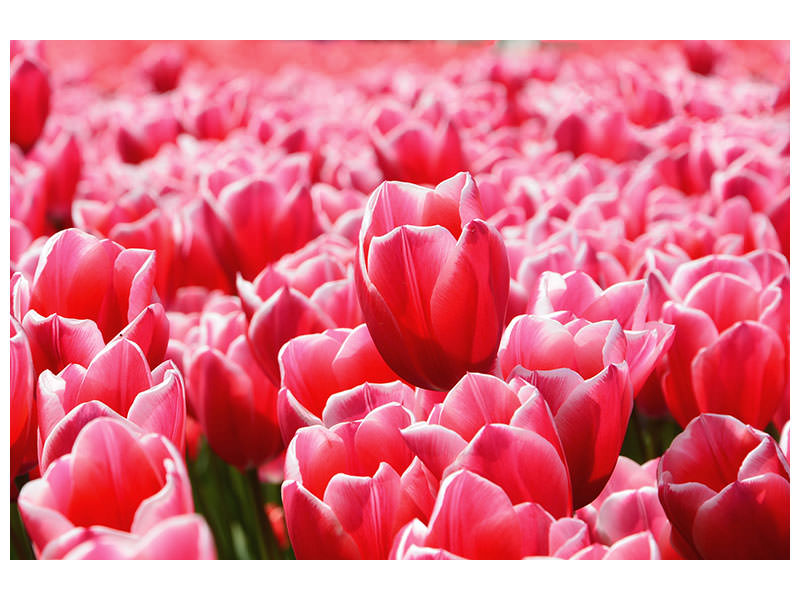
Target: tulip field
399 300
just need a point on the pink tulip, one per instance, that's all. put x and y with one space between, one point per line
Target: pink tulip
502 432
117 382
419 249
229 394
60 155
163 67
81 277
141 136
725 488
541 343
474 519
120 493
135 220
350 488
23 407
314 367
410 148
591 417
30 100
728 356
306 292
577 295
263 221
629 505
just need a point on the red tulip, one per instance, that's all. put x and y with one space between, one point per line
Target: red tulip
30 100
120 493
725 488
432 280
117 382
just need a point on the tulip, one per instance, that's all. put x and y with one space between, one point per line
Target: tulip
30 100
504 433
163 67
628 506
81 277
23 407
263 221
350 488
577 295
432 281
140 136
725 488
474 519
117 382
306 292
135 220
120 493
410 148
591 417
728 357
231 397
541 343
314 367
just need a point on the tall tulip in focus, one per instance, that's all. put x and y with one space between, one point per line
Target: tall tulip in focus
432 280
725 488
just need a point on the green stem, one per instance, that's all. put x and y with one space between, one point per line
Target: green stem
640 436
267 535
21 548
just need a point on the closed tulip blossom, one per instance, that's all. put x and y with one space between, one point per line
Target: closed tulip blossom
591 417
120 493
432 280
231 397
118 382
725 488
306 292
